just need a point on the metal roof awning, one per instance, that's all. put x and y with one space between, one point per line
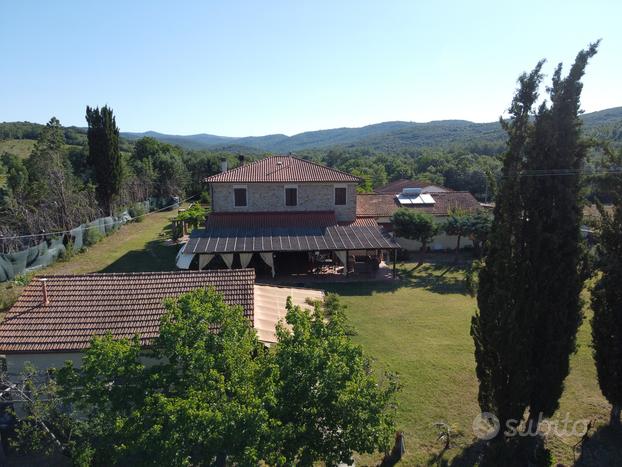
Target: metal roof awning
300 231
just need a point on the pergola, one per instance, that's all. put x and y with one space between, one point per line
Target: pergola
269 233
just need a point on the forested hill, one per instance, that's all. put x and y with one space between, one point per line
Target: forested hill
385 136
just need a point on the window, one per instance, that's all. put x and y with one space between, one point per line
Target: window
291 196
340 196
239 197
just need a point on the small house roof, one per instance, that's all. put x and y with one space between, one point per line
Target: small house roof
126 304
385 205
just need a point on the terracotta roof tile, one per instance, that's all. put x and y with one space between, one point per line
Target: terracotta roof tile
282 169
384 205
81 306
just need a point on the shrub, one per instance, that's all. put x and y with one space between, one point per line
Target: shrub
92 236
205 198
137 212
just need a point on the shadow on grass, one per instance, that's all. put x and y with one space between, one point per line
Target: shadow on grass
156 256
604 447
439 278
469 456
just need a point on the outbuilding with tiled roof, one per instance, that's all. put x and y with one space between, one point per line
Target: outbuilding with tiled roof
55 317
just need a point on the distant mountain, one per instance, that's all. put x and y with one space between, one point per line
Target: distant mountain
382 136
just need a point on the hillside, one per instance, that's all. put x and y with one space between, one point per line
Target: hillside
16 137
382 136
19 147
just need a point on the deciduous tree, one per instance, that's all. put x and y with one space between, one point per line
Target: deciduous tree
414 225
329 401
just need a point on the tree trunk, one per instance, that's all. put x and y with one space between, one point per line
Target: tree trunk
422 252
458 248
614 419
221 460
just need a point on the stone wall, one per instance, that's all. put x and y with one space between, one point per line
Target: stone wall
271 197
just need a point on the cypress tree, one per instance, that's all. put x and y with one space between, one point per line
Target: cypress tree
550 189
529 289
607 305
502 327
104 157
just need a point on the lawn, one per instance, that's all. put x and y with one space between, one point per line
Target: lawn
419 328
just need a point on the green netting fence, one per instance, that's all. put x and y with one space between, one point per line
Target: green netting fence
50 249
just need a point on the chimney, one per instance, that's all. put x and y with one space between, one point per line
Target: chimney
44 285
223 165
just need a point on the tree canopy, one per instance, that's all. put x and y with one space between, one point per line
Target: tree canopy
207 392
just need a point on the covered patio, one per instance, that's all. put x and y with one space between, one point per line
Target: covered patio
288 244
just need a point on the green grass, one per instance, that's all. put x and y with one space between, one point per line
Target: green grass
419 328
19 147
23 147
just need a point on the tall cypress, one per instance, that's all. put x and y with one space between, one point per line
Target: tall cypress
529 306
104 157
550 189
607 304
502 327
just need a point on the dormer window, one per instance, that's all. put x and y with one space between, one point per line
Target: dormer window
291 195
341 197
239 196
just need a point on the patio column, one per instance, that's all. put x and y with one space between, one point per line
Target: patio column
343 257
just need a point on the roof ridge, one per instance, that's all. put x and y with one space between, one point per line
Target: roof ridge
225 177
142 273
326 167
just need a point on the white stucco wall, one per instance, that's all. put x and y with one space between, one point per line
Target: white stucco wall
42 361
262 197
442 241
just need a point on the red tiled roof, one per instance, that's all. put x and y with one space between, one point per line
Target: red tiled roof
285 231
383 205
398 185
282 169
81 306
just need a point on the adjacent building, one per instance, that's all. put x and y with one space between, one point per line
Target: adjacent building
55 319
439 204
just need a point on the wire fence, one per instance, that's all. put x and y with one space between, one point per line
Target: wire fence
50 246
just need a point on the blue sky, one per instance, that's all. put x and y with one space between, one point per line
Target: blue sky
241 68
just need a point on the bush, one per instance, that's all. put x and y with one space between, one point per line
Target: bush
137 212
92 236
205 198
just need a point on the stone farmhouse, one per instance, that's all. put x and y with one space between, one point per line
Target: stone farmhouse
285 215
